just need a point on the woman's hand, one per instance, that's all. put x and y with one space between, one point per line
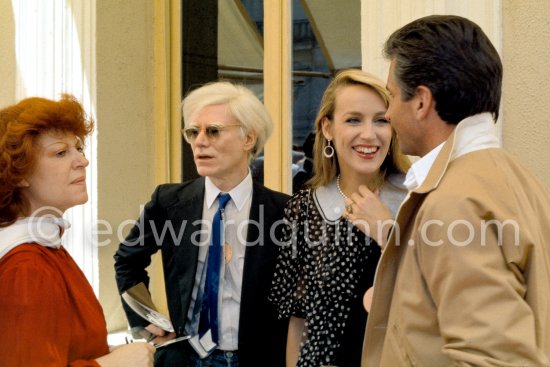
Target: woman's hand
367 299
368 213
137 354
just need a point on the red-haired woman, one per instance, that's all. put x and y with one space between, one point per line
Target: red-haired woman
48 312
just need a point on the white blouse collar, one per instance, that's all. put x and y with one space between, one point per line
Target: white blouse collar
44 231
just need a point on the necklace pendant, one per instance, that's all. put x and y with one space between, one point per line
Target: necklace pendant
227 253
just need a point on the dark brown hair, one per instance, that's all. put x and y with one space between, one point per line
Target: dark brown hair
452 57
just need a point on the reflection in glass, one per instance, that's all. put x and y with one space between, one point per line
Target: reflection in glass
325 39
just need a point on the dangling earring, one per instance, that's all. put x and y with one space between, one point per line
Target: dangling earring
328 151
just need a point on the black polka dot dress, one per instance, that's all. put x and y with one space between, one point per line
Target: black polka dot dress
323 270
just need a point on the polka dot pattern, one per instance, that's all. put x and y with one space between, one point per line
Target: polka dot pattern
323 269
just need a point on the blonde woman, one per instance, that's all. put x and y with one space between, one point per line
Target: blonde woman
326 263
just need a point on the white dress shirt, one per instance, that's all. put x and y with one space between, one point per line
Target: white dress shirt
236 217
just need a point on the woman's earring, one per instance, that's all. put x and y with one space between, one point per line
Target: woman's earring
23 183
328 151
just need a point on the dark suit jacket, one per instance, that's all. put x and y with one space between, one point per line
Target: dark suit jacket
262 338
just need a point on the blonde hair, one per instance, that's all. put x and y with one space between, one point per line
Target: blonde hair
241 101
325 169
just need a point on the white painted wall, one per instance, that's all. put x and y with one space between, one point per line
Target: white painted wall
125 99
526 95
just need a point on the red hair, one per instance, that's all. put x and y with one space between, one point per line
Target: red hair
20 127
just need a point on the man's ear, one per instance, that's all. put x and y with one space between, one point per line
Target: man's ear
424 101
24 183
326 127
250 141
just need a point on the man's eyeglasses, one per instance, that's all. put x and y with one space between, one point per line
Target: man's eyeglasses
212 132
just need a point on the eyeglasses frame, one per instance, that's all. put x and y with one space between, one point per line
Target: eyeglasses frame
210 135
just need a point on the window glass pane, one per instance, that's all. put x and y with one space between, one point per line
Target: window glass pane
311 76
326 38
240 51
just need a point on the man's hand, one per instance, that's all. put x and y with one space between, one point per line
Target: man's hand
158 335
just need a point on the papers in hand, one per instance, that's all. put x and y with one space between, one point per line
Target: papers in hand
139 300
171 341
203 346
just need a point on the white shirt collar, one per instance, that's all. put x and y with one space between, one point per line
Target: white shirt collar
239 194
419 169
473 133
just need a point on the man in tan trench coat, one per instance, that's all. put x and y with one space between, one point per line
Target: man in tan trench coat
464 279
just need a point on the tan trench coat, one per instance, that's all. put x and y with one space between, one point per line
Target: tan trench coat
465 278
